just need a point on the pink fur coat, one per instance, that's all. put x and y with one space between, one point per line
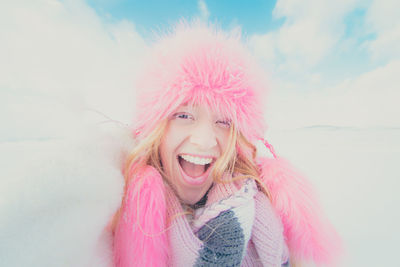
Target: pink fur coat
141 238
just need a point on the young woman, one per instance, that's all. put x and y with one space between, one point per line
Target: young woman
196 192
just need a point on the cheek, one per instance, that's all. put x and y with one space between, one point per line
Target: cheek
165 154
223 140
173 137
168 146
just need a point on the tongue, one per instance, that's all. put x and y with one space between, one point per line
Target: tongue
193 170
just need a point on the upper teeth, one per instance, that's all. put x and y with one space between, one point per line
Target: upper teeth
197 160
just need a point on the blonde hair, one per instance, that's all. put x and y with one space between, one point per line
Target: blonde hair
234 160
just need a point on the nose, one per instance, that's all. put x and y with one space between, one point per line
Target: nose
203 135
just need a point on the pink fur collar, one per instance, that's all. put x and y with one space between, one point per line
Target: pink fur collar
309 235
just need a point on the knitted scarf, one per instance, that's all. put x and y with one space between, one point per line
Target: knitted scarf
236 227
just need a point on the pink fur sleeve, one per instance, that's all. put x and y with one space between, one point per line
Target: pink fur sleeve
309 235
139 239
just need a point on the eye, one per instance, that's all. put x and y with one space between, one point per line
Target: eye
224 123
183 116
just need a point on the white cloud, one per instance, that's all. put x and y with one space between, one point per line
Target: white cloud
383 14
313 29
60 57
382 19
310 31
295 53
204 13
369 100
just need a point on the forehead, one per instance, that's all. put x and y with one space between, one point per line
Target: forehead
199 108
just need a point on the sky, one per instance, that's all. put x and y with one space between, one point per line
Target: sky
334 39
329 63
332 109
342 55
253 16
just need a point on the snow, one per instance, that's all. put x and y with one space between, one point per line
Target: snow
356 173
57 195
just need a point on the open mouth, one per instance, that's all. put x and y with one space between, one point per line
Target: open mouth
195 170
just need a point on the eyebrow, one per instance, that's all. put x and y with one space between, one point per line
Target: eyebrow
186 106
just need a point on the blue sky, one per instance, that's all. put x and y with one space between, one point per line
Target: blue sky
255 16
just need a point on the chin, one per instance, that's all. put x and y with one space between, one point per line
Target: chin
191 198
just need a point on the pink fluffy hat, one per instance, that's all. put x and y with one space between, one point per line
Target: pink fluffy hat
198 64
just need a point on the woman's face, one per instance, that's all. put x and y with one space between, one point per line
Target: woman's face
193 140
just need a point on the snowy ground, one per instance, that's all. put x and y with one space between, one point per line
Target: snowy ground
356 173
57 194
56 197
